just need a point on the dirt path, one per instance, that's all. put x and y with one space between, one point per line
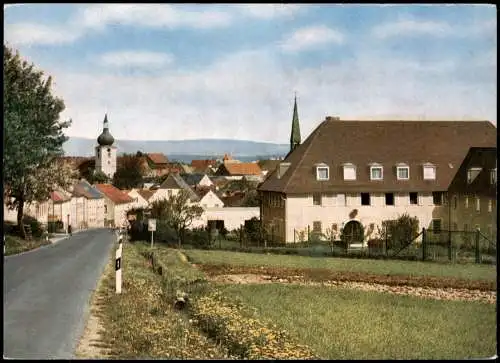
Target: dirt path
90 345
424 292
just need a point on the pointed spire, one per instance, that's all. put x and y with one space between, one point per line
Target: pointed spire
106 123
295 135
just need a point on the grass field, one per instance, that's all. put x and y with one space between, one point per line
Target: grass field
15 245
381 267
348 324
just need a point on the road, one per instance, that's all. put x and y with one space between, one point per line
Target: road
47 293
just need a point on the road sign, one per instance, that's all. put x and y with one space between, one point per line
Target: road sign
151 225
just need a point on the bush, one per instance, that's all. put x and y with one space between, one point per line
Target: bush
55 226
198 237
36 227
164 233
399 232
138 231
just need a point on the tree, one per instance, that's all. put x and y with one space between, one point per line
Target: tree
33 134
129 173
251 199
177 211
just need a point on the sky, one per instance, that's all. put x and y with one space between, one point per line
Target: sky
190 71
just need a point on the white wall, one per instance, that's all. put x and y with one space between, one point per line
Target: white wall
300 211
104 161
162 194
211 200
139 201
233 217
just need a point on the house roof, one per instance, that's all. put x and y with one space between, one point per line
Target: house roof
174 181
145 193
269 165
116 195
335 142
58 196
235 200
241 168
202 164
84 189
192 179
477 157
157 158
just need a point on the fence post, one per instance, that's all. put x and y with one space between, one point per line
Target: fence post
424 244
478 254
308 235
449 247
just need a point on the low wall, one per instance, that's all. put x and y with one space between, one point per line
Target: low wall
233 217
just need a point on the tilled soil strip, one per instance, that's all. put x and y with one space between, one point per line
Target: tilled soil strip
424 292
422 286
324 275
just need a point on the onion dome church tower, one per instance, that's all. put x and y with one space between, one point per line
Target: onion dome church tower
105 152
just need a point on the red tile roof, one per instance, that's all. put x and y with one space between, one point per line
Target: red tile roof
157 158
203 164
242 169
116 195
59 197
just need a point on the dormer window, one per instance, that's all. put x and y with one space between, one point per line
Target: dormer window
403 171
472 174
429 171
493 176
322 172
376 172
349 171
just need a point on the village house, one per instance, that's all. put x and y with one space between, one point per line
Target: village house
117 203
205 166
267 166
238 170
87 206
172 185
349 175
473 194
198 180
159 165
59 208
208 199
138 200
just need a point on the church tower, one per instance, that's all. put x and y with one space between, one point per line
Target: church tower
295 135
105 152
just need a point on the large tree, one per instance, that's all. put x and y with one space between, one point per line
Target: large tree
177 211
33 135
129 173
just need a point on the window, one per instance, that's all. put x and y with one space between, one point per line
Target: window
349 172
437 198
436 225
322 172
317 199
365 198
105 209
478 204
403 172
493 176
317 227
472 173
413 198
389 198
376 172
490 205
429 172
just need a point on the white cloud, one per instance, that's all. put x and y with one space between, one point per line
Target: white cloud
271 11
311 37
412 27
249 95
135 58
30 34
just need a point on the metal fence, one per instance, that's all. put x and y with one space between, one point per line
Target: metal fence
427 245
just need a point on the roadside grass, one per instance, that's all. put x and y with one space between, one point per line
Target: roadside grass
224 319
15 244
140 323
376 267
349 324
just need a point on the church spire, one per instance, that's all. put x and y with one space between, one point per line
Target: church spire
295 135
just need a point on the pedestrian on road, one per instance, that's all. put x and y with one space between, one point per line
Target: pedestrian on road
69 230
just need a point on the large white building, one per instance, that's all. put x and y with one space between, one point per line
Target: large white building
105 152
353 174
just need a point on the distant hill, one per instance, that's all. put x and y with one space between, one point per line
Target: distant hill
184 150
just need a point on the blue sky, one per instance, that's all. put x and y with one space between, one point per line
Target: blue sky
186 71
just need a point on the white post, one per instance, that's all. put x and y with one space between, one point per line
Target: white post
152 239
118 268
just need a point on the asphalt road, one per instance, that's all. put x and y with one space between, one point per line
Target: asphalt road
47 293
